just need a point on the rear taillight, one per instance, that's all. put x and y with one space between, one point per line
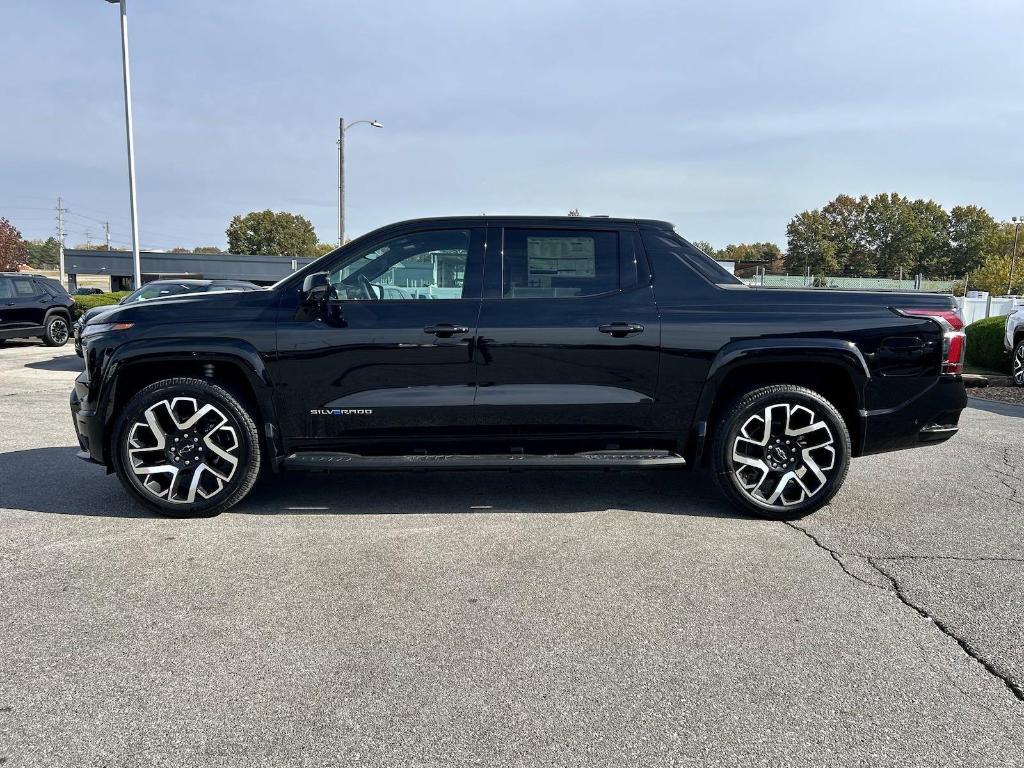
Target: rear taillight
954 340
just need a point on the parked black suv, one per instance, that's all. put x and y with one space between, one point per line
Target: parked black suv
34 306
160 289
516 342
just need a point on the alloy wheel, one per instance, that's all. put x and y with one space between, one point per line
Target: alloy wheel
59 331
181 449
783 455
1018 366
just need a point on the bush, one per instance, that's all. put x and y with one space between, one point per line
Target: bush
985 344
89 301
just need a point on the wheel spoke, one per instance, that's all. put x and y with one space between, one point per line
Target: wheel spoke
782 455
182 449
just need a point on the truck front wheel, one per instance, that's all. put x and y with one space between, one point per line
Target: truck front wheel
781 452
186 448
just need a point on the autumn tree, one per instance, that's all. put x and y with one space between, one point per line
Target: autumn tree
768 255
12 248
993 275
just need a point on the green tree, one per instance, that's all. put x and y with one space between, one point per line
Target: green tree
932 223
323 248
707 247
207 249
43 254
907 235
845 218
13 252
973 237
269 233
809 244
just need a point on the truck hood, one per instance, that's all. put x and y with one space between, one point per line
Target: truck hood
193 307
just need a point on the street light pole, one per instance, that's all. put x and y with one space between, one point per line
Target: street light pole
136 261
341 171
1013 258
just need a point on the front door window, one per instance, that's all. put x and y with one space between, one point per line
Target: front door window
421 265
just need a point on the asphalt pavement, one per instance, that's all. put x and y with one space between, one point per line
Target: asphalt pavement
528 619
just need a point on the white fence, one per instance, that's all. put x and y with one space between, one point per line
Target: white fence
973 310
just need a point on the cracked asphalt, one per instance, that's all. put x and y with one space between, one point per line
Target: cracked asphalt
508 619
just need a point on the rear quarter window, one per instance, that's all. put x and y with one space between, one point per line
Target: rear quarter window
671 245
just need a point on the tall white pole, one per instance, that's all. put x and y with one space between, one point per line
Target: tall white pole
136 262
341 181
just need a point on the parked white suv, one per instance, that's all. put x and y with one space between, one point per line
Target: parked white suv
1014 343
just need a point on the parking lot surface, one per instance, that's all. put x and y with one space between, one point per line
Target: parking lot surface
539 618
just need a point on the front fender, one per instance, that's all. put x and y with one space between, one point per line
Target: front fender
240 354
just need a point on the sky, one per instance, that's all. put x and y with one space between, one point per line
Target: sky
725 118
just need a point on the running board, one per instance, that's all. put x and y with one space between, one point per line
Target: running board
590 460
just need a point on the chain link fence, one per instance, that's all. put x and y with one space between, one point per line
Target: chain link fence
851 283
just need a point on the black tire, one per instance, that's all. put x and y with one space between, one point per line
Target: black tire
57 330
1017 364
791 465
171 401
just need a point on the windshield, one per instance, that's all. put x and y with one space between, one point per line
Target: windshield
160 290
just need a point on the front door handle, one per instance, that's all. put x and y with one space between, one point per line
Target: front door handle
620 330
445 330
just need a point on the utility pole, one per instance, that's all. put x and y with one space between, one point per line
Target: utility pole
1013 258
106 233
60 236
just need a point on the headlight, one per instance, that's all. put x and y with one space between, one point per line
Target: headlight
93 328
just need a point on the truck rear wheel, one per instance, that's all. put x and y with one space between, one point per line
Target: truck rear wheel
186 448
781 452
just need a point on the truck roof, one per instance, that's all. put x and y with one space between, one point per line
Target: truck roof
501 219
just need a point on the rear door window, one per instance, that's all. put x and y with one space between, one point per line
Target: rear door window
23 288
547 263
6 289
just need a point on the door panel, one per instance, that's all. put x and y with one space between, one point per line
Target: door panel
7 311
383 363
561 362
23 307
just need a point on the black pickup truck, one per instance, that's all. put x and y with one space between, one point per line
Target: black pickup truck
516 343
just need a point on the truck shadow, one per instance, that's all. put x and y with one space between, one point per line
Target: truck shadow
70 362
54 481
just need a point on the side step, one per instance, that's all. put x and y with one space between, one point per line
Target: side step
590 460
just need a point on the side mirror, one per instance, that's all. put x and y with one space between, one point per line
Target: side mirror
315 288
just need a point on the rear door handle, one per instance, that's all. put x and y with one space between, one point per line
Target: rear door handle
445 330
619 330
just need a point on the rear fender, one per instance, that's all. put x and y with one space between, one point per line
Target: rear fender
783 352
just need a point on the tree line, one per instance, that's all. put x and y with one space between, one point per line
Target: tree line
887 235
257 233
